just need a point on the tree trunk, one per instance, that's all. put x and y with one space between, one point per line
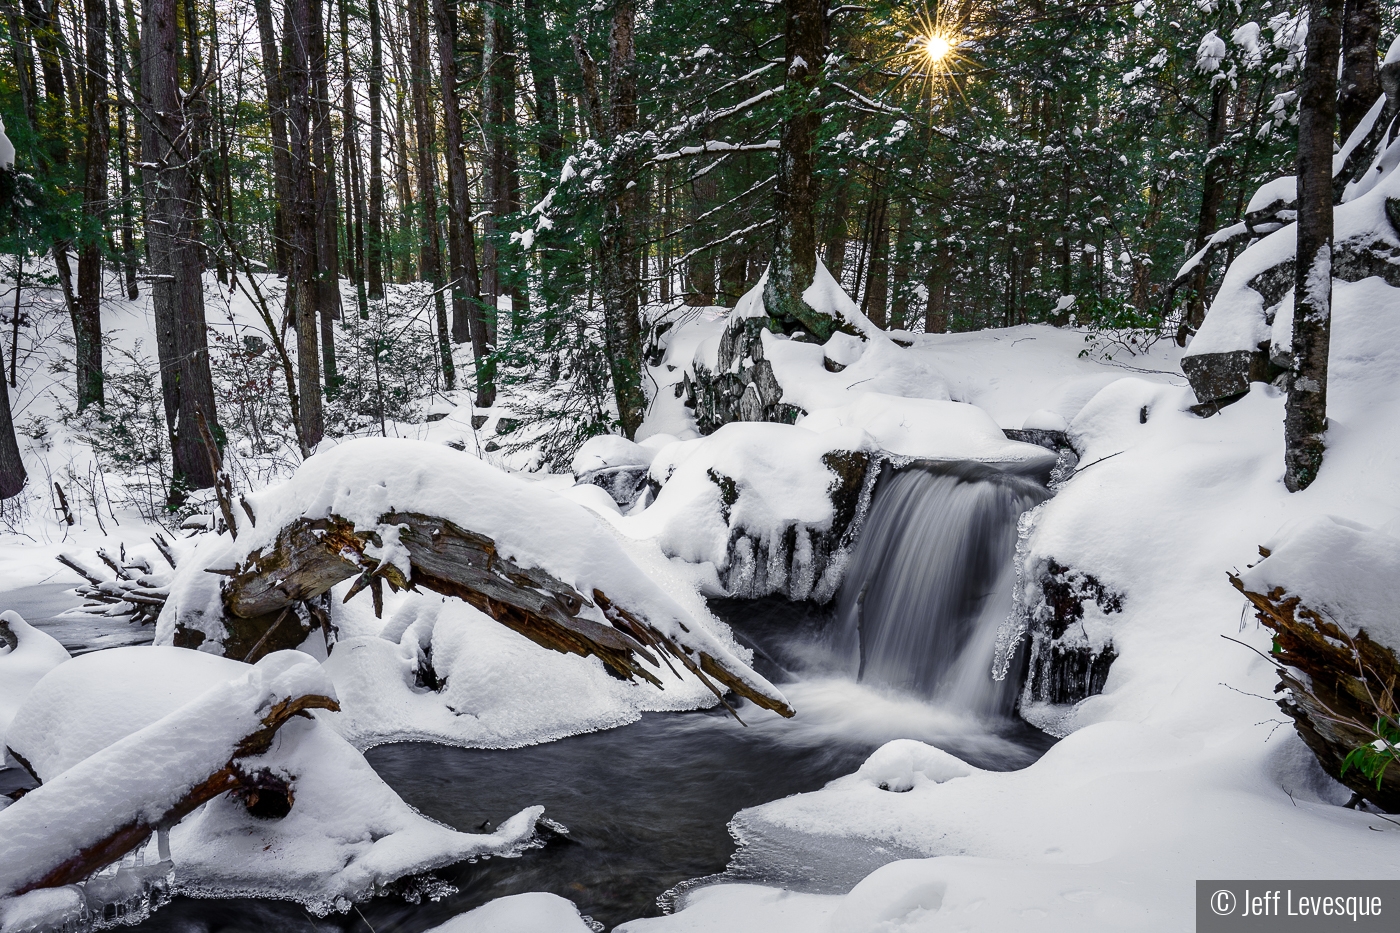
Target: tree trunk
87 317
618 272
496 73
327 201
430 249
12 475
901 272
1212 194
123 80
354 176
549 140
1361 83
277 114
794 261
301 213
1305 422
177 295
836 232
876 297
468 321
374 246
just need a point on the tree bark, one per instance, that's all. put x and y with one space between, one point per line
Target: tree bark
12 474
122 79
1361 83
468 321
87 316
1212 194
549 141
327 201
277 117
875 300
497 74
794 259
301 213
374 246
617 270
430 248
901 268
1305 422
177 295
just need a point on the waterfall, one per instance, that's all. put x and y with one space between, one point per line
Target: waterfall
931 581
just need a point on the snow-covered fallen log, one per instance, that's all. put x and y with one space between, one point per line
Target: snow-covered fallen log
413 515
1329 591
108 804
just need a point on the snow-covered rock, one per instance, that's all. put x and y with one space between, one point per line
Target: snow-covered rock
536 912
23 663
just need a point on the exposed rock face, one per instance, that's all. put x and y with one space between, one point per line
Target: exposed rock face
625 484
1216 377
802 562
742 387
1070 654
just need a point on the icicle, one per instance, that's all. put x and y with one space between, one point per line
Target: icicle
1018 620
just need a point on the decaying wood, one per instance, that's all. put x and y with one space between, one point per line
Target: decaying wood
1337 687
135 592
231 777
312 555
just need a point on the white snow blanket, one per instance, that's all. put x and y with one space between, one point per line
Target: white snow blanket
129 727
21 668
536 912
1345 570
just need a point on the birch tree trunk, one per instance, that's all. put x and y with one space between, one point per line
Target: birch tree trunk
1305 422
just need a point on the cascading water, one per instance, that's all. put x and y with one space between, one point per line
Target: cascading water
931 581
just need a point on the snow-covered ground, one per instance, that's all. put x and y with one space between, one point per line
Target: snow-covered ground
1181 770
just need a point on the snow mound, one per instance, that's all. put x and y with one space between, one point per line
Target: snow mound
610 450
35 654
153 723
903 764
929 429
535 912
1346 571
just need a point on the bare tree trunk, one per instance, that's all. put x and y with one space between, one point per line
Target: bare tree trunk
354 176
875 301
901 271
549 141
1361 83
301 213
177 295
277 114
495 68
430 249
122 79
1212 194
1305 422
12 475
794 261
327 202
87 317
936 312
836 232
468 321
374 247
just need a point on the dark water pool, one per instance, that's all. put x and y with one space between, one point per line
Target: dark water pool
646 805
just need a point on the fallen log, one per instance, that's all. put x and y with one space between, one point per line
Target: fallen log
103 807
1338 689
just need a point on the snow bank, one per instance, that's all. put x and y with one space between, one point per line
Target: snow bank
127 712
494 688
142 776
536 912
1348 572
21 667
929 429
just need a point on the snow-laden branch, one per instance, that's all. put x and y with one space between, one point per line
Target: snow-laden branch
714 145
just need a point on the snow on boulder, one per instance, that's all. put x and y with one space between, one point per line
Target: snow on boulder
421 515
615 465
930 429
901 765
536 912
771 506
26 656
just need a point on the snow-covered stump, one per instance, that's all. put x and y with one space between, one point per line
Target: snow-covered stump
1329 592
111 803
411 515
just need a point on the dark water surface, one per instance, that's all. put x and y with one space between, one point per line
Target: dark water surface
646 805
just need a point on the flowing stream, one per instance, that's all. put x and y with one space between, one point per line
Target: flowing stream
903 652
